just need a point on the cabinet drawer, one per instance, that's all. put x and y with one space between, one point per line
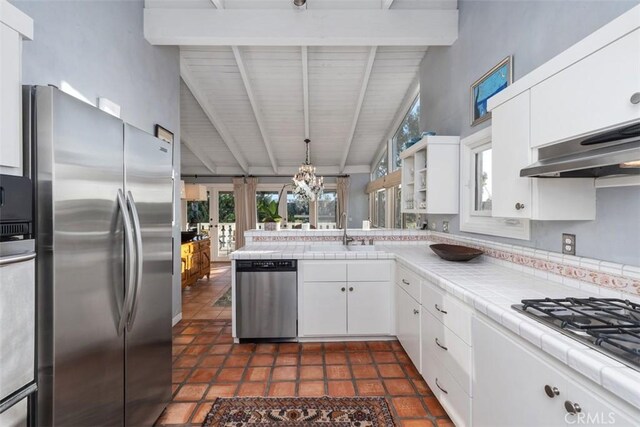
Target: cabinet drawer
439 343
369 271
323 271
450 395
448 310
409 281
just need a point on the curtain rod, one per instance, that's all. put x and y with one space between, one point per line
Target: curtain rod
256 176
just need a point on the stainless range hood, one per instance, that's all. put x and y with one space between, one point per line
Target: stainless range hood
597 155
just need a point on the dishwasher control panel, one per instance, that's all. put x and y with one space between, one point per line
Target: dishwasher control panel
267 265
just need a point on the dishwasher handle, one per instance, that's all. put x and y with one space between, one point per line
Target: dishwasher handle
13 259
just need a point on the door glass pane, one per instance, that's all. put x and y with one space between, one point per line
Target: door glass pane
297 210
266 205
226 223
327 210
483 181
198 215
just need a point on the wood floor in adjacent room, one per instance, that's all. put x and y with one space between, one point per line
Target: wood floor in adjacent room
207 365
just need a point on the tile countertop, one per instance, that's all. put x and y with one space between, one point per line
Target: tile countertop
490 289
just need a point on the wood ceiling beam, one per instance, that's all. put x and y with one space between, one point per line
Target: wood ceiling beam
313 27
215 120
305 90
254 106
356 115
186 139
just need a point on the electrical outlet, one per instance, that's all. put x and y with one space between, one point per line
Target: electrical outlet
433 226
568 244
445 226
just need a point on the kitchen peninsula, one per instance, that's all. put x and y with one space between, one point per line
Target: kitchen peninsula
451 318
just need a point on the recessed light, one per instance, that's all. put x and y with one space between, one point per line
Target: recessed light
299 3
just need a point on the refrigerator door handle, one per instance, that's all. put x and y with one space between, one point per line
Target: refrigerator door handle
139 258
17 258
128 259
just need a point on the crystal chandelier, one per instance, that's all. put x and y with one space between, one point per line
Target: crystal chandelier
306 185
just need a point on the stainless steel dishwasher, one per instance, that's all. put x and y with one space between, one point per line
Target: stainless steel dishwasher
266 299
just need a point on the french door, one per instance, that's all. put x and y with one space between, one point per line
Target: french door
222 221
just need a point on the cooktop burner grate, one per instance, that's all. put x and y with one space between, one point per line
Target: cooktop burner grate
609 325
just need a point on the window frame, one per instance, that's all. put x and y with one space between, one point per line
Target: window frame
470 220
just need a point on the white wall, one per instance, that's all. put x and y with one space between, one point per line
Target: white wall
97 49
533 31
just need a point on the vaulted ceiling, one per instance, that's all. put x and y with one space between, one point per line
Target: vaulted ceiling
247 103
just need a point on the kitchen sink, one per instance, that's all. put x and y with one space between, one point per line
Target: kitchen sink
326 248
362 249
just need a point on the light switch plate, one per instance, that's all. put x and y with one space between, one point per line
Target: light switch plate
568 244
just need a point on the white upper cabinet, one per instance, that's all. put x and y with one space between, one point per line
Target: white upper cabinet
592 94
14 26
430 176
532 198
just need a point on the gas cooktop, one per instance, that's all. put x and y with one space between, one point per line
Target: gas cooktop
609 325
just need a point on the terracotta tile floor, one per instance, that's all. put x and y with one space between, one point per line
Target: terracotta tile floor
208 365
198 300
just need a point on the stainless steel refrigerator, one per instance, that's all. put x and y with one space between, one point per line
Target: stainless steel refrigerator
104 198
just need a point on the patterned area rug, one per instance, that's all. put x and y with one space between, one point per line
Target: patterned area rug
300 411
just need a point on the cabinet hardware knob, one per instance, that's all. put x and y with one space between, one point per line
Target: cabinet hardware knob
572 408
441 389
551 391
440 310
635 98
441 346
405 282
416 311
343 289
519 206
351 289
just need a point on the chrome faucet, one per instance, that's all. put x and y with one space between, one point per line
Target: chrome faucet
345 239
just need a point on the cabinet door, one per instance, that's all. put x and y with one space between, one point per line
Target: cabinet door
369 308
408 325
592 94
510 152
10 100
324 310
509 383
594 410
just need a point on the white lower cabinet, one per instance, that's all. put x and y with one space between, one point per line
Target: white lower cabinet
408 324
514 386
325 308
336 306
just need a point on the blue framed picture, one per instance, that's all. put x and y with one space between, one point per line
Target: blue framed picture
492 82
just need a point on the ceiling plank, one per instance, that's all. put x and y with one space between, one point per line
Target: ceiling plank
186 139
226 136
238 27
356 115
254 106
305 90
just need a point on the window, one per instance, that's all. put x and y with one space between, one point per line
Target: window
266 201
379 208
297 210
400 220
408 131
198 214
327 209
382 167
482 185
475 191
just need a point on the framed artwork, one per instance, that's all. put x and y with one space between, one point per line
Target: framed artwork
492 82
164 134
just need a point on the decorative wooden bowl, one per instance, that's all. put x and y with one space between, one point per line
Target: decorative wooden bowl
455 252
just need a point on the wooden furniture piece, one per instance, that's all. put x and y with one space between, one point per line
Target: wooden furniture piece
196 261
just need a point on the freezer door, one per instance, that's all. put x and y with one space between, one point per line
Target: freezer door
149 188
79 272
